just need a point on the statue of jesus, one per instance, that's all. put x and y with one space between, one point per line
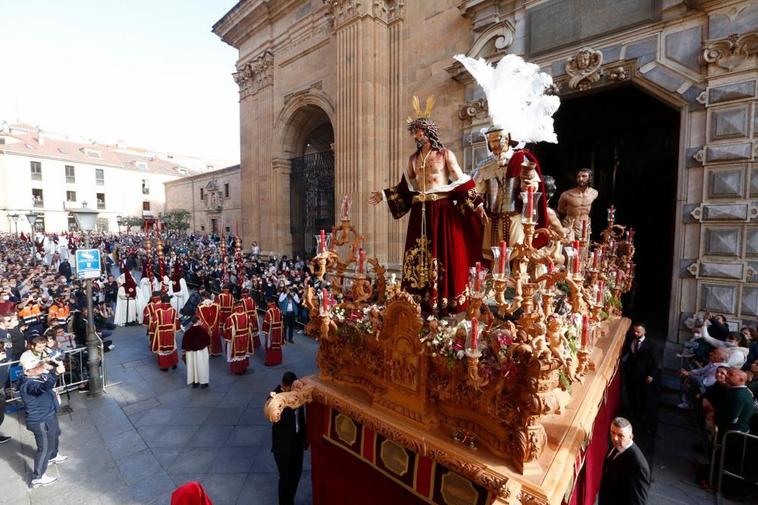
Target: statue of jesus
444 235
575 205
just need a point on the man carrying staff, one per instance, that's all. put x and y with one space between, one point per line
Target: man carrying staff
163 335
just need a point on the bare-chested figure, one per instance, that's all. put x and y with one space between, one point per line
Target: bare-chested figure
445 226
575 204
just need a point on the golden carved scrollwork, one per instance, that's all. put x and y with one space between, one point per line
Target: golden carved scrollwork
297 397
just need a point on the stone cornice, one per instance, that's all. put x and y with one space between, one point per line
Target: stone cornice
249 16
253 76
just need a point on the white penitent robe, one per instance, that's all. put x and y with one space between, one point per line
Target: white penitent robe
126 308
144 298
180 297
197 366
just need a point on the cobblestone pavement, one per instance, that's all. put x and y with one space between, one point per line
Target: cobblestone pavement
151 432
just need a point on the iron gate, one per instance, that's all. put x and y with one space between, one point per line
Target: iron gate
311 200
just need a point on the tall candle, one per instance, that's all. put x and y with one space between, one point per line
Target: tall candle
601 288
619 278
595 258
576 256
474 334
630 234
611 214
503 251
361 259
529 202
324 300
550 267
585 331
477 279
323 241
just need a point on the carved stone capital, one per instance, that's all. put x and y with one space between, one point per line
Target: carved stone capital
473 109
256 74
584 68
344 11
730 52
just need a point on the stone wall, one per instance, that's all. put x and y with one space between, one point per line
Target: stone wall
359 63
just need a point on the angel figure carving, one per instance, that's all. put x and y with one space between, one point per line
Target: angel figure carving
584 68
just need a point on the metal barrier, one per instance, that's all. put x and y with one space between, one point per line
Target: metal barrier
76 374
725 448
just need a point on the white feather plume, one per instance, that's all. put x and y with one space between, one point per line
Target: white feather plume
516 98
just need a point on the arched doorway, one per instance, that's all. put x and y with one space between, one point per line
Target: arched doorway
311 180
630 140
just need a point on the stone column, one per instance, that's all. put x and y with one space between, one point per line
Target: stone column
368 77
255 79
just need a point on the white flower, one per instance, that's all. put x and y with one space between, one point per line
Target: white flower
460 354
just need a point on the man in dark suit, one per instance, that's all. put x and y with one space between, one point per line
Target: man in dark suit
640 366
288 441
626 474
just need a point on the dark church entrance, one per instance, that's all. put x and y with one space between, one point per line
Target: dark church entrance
312 191
630 141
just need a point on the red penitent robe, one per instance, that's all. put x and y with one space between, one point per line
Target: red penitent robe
436 268
163 339
226 304
148 316
239 345
252 317
272 328
209 317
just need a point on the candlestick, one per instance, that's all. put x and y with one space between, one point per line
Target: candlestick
577 257
585 331
601 288
595 259
619 278
324 300
502 257
323 241
529 202
611 215
477 279
630 235
474 334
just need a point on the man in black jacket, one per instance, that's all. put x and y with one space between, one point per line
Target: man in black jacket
4 372
640 366
288 441
41 403
626 474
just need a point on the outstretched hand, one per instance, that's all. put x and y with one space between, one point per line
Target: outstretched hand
375 198
482 214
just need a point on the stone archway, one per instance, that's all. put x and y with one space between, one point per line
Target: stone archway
304 163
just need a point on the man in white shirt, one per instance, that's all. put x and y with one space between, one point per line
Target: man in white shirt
288 304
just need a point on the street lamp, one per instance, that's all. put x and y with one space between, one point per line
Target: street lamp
31 216
86 220
13 217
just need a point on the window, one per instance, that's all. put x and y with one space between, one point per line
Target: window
70 196
145 205
228 230
226 190
202 227
36 170
99 177
141 165
145 187
70 174
39 201
101 200
202 194
92 153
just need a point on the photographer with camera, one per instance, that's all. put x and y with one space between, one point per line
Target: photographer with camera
41 402
289 304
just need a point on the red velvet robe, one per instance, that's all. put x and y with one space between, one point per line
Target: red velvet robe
209 317
252 317
226 304
239 345
453 244
514 170
163 337
272 328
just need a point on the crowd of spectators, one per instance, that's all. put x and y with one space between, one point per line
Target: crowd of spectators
720 386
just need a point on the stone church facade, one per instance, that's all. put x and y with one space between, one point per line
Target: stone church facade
355 64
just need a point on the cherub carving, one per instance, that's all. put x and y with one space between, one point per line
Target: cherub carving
584 68
558 343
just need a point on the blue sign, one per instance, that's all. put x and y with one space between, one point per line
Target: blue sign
87 263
